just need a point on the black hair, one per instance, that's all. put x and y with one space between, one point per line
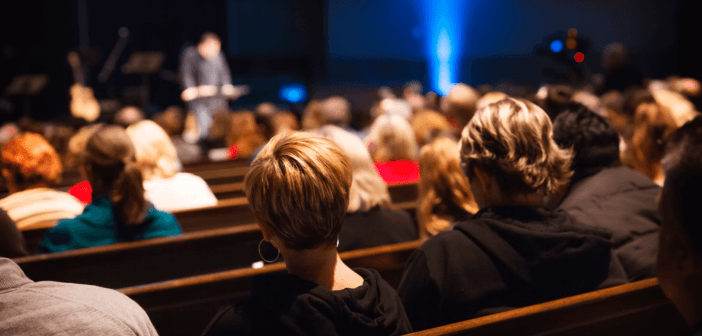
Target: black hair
594 141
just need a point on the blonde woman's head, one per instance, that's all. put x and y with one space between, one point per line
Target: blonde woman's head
391 138
512 141
156 156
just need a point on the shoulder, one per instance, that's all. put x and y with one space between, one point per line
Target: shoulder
162 223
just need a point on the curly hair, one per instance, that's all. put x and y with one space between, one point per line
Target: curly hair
512 140
30 160
444 191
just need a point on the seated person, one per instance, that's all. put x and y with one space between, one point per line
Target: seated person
514 252
157 160
76 147
11 240
604 194
119 211
369 220
679 264
393 147
56 308
30 167
444 190
298 189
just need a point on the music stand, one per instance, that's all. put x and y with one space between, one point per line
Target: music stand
144 63
27 86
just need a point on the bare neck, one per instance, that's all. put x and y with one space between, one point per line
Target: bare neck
321 266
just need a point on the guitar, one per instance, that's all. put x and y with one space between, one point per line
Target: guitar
83 103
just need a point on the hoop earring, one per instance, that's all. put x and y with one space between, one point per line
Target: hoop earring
261 254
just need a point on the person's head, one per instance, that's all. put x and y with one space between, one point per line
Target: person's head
508 152
29 161
594 141
112 171
652 125
76 146
444 190
298 188
681 109
368 189
553 99
614 57
285 122
489 98
221 125
172 120
460 103
428 124
679 264
391 138
128 115
209 45
244 134
155 154
312 117
336 110
266 109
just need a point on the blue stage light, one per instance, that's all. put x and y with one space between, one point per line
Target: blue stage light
293 93
444 22
556 46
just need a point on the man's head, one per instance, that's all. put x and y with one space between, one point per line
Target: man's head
298 187
594 142
679 266
209 45
460 103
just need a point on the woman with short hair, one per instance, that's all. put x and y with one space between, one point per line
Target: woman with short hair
298 188
118 211
157 159
514 252
393 147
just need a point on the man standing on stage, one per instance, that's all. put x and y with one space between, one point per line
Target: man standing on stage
204 71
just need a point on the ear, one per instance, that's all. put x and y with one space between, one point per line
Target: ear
267 234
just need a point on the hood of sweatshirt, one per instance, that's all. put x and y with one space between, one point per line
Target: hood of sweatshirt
541 252
292 305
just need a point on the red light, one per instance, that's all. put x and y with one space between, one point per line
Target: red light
579 57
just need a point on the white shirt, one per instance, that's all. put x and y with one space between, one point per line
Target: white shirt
180 192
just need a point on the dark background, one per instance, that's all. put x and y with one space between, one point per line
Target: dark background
335 46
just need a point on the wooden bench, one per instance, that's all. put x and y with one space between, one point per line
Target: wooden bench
207 165
638 308
152 260
185 306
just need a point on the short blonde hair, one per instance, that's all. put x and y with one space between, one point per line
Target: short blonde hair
512 140
391 138
76 146
444 190
156 156
298 186
368 189
460 103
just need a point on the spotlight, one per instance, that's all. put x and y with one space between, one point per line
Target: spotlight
293 93
579 57
556 46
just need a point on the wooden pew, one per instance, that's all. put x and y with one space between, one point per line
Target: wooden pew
638 308
207 165
223 175
152 260
185 306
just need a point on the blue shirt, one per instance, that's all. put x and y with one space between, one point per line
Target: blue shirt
96 226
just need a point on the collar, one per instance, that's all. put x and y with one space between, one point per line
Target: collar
11 275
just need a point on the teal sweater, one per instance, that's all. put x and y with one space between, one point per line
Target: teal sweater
96 226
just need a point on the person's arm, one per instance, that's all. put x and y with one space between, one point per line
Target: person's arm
418 293
11 241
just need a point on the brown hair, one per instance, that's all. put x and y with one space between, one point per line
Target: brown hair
244 133
298 185
652 125
428 124
111 164
30 160
513 141
444 190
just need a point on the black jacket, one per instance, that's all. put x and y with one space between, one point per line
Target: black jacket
11 241
622 201
376 227
503 258
289 305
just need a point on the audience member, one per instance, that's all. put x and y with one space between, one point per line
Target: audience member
244 135
428 124
369 220
172 120
679 264
156 158
30 167
393 147
312 117
553 99
652 124
514 252
11 240
74 157
118 211
619 74
128 115
681 109
57 308
604 194
444 190
298 188
459 105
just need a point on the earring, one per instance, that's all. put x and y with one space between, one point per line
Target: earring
261 254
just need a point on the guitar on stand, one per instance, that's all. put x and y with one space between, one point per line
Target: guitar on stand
83 103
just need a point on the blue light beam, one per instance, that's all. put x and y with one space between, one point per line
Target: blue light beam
293 93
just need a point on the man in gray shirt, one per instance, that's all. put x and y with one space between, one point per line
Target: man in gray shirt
56 308
205 72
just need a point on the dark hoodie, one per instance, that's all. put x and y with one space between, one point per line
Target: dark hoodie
503 258
290 305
